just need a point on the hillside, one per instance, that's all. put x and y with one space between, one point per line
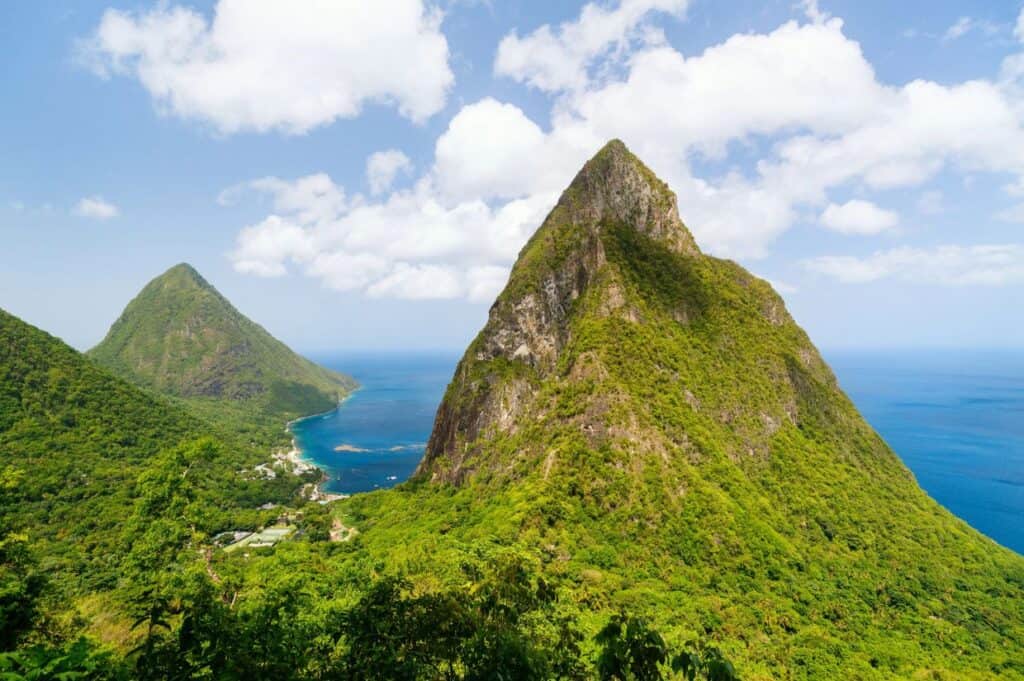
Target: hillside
73 442
181 337
651 424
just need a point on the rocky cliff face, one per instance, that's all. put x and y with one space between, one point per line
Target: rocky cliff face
612 249
529 321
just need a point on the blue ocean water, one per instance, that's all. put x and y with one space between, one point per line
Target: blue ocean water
955 418
383 427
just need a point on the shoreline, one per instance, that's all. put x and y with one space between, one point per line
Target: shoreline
302 462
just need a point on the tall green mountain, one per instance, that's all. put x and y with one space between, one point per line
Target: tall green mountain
74 439
181 337
653 427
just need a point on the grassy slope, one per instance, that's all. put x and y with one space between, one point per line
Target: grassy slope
712 473
181 337
73 441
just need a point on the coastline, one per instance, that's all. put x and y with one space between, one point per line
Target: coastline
301 463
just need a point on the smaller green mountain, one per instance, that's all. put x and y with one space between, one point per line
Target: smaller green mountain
74 440
181 337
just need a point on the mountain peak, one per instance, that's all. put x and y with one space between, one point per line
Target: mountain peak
614 149
184 268
180 336
615 186
612 243
183 274
613 193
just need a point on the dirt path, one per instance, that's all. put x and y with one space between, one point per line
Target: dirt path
341 532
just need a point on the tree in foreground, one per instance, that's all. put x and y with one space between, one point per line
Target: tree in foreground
630 650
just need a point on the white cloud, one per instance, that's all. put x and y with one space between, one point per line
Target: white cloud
965 25
343 271
311 199
1018 31
654 109
813 12
263 65
383 167
983 265
821 124
264 248
559 59
880 136
490 150
484 283
831 92
858 217
408 245
828 120
958 29
748 85
97 208
418 282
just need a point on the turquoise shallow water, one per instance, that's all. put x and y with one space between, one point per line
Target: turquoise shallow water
955 418
384 425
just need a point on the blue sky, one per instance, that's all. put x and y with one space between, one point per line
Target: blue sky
361 175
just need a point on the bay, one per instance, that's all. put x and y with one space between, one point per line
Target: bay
377 436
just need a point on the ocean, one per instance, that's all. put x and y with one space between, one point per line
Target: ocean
955 418
382 428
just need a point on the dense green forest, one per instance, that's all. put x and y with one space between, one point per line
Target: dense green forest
76 445
111 499
74 441
181 337
108 568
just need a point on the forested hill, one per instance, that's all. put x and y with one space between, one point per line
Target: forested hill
653 424
73 442
110 500
181 337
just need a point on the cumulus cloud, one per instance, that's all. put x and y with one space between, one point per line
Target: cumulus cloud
983 265
383 167
489 150
407 245
558 59
418 282
858 217
822 124
829 121
748 85
262 65
96 208
1018 31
